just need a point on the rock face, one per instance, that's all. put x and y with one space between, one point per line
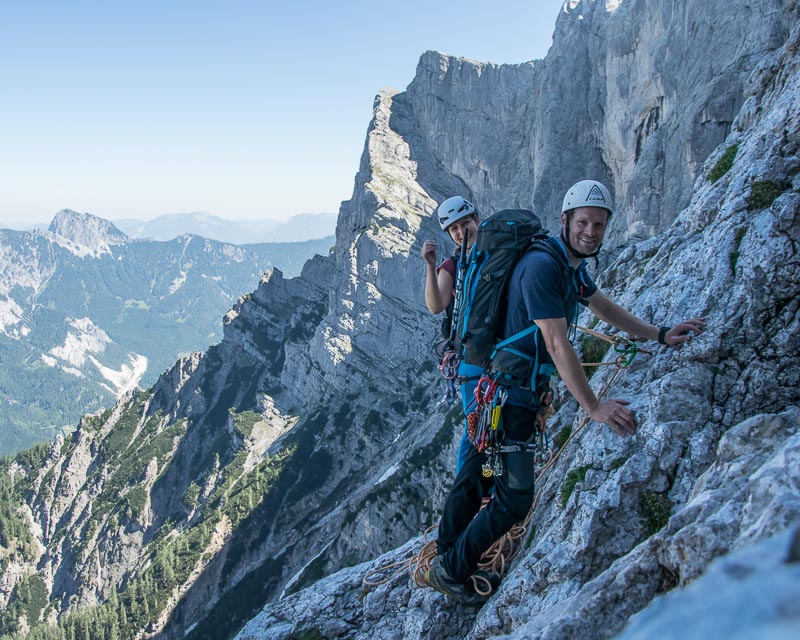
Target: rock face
626 95
713 468
252 480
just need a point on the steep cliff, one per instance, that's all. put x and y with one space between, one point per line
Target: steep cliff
634 93
310 438
713 467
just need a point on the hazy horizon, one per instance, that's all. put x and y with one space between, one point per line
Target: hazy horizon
19 224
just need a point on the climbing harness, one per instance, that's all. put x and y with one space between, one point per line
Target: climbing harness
485 426
496 560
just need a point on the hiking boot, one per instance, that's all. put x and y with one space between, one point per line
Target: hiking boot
438 578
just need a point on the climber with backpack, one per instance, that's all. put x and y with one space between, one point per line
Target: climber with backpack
459 218
530 340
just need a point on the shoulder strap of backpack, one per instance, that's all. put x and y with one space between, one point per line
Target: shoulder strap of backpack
548 245
541 244
535 367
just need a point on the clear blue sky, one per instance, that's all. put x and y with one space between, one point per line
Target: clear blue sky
241 109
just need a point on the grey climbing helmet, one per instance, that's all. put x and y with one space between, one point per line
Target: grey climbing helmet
588 193
453 209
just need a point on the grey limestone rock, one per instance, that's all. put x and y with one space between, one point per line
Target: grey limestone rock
710 470
334 367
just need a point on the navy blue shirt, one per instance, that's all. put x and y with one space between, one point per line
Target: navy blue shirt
541 287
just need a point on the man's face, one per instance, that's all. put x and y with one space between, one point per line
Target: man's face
587 226
459 228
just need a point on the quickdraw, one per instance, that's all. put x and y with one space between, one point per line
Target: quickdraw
542 449
448 366
484 425
627 348
450 359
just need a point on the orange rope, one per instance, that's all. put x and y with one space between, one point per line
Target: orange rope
415 565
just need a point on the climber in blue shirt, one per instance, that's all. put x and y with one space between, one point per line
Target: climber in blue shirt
545 290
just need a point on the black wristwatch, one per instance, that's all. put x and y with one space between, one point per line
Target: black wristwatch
662 334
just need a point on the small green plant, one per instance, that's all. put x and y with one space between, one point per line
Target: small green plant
28 602
136 501
724 163
616 464
573 478
655 509
191 495
561 438
245 421
763 194
737 242
530 538
593 350
34 457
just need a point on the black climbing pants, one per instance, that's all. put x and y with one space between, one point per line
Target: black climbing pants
465 536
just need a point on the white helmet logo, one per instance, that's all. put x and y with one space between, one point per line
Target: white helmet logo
595 195
587 193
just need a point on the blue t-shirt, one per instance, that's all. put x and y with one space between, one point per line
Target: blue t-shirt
541 287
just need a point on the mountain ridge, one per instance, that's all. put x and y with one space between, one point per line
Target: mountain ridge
87 313
297 228
85 234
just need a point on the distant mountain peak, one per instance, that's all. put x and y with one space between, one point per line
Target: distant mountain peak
85 234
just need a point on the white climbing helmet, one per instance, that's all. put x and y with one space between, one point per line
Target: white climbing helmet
454 209
588 193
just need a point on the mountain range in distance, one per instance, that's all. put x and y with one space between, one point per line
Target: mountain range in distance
88 313
298 228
